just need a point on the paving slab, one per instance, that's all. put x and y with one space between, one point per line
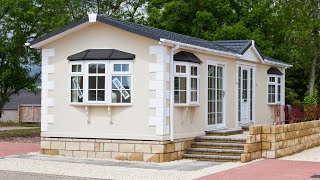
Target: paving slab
271 169
186 166
11 148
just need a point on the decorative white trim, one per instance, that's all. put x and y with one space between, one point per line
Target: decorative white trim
48 118
156 67
162 130
92 17
156 85
156 121
48 102
49 85
48 52
156 103
48 69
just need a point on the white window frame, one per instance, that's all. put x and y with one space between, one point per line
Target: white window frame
276 84
108 75
76 74
128 73
188 76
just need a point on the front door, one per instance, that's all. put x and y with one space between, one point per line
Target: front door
215 98
245 94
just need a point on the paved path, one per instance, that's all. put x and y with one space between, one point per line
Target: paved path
14 175
271 169
15 128
11 148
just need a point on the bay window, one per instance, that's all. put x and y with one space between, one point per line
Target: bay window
102 82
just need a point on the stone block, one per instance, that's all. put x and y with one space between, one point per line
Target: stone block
266 145
58 145
245 158
251 139
65 153
119 156
80 154
126 147
135 156
72 146
253 130
143 148
103 155
256 155
158 148
264 154
87 146
50 151
151 157
97 147
258 138
170 147
266 129
271 154
45 144
173 156
164 158
91 154
178 146
111 147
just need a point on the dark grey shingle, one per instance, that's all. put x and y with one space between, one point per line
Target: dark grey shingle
22 98
101 54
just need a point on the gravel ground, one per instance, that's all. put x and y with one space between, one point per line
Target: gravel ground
110 172
306 155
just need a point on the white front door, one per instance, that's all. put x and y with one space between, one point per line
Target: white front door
245 94
215 96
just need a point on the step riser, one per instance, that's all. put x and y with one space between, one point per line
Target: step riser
217 147
220 141
219 134
214 153
215 160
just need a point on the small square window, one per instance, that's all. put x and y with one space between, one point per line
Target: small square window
76 68
117 67
272 79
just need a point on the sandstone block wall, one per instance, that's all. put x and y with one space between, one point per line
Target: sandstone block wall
280 140
132 150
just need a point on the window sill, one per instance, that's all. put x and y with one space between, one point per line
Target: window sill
186 105
106 105
273 104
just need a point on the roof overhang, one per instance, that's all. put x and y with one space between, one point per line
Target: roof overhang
198 48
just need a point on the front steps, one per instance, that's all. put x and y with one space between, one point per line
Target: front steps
217 147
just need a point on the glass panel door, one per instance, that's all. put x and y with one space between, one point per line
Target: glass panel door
215 101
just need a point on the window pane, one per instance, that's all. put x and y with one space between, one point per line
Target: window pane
101 82
178 69
92 82
279 80
194 84
92 68
92 95
176 96
272 79
116 96
76 68
125 67
100 96
176 83
117 67
126 97
126 82
101 68
74 96
194 71
194 97
183 83
279 93
183 97
115 79
183 69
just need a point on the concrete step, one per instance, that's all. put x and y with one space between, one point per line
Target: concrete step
233 151
224 132
228 139
214 145
218 158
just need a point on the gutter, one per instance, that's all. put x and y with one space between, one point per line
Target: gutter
277 64
172 91
198 48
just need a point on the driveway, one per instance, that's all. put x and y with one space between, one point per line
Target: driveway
12 148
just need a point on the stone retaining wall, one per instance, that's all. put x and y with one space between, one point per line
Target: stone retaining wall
132 150
280 140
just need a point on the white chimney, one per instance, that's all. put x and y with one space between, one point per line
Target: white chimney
92 17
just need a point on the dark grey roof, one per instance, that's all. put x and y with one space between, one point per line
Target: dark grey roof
274 60
22 98
232 46
239 46
187 57
274 70
101 54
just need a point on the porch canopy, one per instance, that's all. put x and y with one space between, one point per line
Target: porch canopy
186 57
101 54
274 71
